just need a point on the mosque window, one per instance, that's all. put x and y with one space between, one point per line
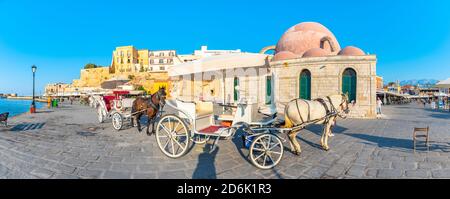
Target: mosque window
161 68
349 80
235 93
161 61
305 85
268 89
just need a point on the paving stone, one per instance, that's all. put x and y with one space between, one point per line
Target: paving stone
421 173
404 165
389 173
42 173
356 171
441 173
116 175
75 162
429 165
86 173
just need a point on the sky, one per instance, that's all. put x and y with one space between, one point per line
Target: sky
410 38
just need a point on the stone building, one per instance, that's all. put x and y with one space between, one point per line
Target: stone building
308 63
128 60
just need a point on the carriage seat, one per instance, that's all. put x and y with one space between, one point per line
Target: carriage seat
127 102
203 109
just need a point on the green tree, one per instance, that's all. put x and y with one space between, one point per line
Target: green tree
141 88
90 65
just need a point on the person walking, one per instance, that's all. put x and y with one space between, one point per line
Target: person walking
379 103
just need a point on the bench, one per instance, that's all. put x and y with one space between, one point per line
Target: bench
4 118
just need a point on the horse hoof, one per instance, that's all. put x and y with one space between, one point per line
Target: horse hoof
326 148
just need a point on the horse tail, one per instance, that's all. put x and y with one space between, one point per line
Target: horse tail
287 122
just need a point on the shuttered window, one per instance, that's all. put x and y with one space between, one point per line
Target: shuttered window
268 89
236 94
305 85
349 84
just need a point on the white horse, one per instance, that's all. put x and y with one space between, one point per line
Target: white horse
299 113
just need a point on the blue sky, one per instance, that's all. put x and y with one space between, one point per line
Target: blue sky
410 38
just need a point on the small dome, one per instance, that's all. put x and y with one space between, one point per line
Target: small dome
316 52
283 55
351 51
304 36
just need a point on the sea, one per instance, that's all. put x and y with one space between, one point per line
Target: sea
16 107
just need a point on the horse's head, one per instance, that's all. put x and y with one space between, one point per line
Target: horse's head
161 96
344 106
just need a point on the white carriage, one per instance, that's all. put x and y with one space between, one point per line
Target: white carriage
116 107
196 122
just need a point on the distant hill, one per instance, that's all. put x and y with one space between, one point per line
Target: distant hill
421 82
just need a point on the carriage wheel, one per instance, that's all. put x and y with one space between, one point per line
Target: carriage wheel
117 121
266 151
100 115
172 135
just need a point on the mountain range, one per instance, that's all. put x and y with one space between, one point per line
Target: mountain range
422 82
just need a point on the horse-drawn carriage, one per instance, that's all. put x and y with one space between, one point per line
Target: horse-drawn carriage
196 122
116 106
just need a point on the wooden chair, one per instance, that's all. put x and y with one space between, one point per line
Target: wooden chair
4 118
421 133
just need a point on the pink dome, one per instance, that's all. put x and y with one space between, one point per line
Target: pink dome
351 51
283 55
316 52
304 36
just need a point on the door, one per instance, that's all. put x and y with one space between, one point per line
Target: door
236 94
349 84
268 89
305 85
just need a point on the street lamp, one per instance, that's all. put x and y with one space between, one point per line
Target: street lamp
33 104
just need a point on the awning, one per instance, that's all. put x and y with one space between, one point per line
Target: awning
444 84
219 62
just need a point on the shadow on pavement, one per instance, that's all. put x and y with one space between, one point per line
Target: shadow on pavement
27 127
205 167
384 142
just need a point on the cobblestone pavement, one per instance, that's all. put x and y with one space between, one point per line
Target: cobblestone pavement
68 143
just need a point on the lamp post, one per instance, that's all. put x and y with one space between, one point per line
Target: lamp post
33 104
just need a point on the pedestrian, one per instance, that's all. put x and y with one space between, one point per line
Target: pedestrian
379 103
433 104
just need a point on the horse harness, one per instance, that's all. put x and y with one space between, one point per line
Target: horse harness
150 101
328 115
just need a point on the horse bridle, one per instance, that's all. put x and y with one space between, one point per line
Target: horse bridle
339 113
346 111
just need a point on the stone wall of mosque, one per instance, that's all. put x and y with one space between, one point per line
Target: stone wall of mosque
326 79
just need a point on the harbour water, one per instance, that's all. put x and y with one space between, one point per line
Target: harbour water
16 107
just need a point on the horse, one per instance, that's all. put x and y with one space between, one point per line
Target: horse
300 112
150 106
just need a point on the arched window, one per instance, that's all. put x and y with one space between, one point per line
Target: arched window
349 83
268 89
236 83
305 85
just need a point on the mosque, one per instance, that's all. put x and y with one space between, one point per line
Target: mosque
307 62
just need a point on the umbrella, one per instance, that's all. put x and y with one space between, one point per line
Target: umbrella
444 84
113 83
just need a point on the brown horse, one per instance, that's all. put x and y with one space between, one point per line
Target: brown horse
149 106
